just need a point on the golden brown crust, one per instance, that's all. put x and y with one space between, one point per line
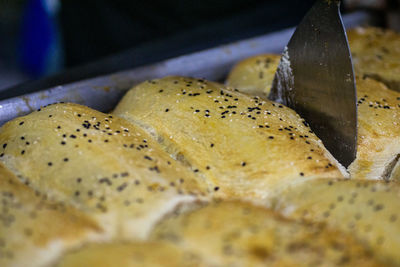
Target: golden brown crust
254 75
378 123
376 54
378 148
102 165
130 255
240 234
368 210
34 229
246 146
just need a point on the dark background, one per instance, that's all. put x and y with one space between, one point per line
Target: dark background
99 37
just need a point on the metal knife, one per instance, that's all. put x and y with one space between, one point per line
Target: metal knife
315 78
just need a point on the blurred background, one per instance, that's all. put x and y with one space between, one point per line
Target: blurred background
64 41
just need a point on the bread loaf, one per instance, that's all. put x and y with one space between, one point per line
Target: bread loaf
240 234
248 147
105 166
368 210
378 141
188 172
378 148
376 54
34 230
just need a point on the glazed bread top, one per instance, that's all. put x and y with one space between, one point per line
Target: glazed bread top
378 146
376 54
37 230
235 233
102 165
368 210
248 147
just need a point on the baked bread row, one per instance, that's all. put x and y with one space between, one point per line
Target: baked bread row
378 149
188 172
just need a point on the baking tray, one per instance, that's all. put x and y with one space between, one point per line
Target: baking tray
103 92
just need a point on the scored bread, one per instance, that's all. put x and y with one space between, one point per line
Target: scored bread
246 146
376 54
36 230
235 233
378 147
104 166
368 210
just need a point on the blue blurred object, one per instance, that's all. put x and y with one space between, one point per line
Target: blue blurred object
40 50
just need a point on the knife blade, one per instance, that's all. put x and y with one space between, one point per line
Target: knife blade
315 78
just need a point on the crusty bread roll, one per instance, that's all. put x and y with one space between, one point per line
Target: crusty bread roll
102 165
235 233
378 147
376 54
137 254
254 73
368 210
246 146
34 230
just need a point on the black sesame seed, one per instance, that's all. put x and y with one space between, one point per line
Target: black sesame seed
122 187
124 174
105 180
